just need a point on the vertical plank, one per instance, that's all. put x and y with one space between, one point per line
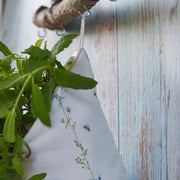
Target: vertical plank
146 131
1 6
101 43
171 71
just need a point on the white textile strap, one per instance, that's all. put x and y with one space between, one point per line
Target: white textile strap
82 31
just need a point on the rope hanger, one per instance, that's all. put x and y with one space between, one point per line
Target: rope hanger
61 13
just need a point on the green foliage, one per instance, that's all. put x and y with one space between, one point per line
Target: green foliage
9 126
16 163
62 44
4 49
39 105
25 94
68 79
38 176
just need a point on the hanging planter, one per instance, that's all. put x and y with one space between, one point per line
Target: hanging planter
73 137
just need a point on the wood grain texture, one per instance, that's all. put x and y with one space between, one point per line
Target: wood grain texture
101 43
134 50
1 7
148 55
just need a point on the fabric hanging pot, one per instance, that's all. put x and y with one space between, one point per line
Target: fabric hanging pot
53 148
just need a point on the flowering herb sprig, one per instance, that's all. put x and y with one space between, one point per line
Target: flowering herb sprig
82 160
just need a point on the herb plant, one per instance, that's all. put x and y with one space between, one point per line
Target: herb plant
25 94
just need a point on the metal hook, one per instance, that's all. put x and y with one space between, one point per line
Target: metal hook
61 31
42 35
87 10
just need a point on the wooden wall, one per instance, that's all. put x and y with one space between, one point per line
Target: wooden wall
134 49
1 5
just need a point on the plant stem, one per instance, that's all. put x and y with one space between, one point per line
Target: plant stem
19 95
77 139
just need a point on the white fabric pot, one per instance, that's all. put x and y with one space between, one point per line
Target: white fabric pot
53 149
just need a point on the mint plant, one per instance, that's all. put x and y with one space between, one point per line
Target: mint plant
25 94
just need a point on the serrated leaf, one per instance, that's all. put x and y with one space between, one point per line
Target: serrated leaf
9 127
38 176
35 51
63 43
18 144
11 81
3 165
39 105
6 62
39 42
16 162
4 49
68 79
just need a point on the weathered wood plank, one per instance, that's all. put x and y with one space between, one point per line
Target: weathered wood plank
170 42
146 42
101 43
1 6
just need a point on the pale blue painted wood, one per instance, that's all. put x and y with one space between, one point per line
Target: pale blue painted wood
146 44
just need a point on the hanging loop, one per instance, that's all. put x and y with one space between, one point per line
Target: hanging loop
88 13
82 31
42 34
61 31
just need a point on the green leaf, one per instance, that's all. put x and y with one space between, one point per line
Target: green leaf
63 43
9 127
59 65
4 49
3 110
8 97
68 79
5 154
35 51
39 42
16 162
18 144
6 62
9 174
39 105
68 65
11 81
3 165
38 176
47 91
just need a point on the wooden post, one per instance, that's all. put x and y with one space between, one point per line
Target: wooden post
61 13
